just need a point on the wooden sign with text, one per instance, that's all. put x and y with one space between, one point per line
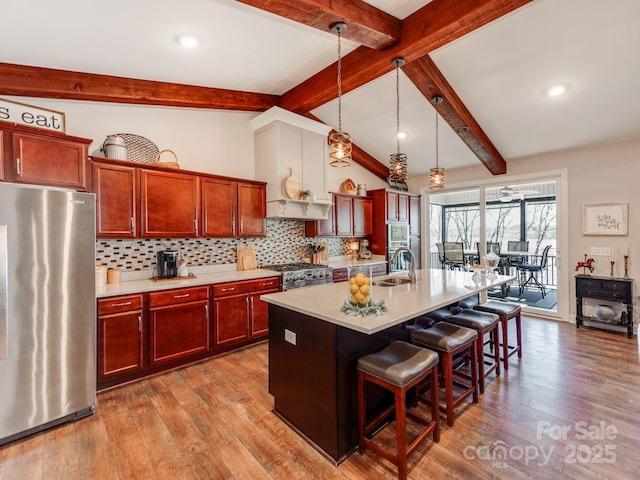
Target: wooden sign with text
23 114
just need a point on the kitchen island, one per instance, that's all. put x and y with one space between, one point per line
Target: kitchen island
314 349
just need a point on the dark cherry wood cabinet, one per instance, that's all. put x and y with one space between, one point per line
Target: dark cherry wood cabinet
40 157
341 274
414 215
219 207
238 313
397 207
612 290
350 216
142 202
252 210
362 216
343 215
178 323
121 336
116 189
170 204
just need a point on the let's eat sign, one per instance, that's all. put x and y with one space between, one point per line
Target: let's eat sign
23 114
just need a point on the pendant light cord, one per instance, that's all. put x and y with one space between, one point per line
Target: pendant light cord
398 110
437 138
339 84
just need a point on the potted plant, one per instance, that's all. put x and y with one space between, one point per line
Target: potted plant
305 195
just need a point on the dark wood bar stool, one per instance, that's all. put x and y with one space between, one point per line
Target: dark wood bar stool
484 323
451 340
398 368
506 312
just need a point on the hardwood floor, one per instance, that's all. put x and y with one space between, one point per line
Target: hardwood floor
213 420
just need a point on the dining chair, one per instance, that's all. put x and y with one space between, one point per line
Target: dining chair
533 270
440 248
519 248
454 254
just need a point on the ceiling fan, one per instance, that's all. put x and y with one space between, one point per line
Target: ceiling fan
508 194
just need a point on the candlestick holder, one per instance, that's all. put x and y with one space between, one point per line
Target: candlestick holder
626 266
611 271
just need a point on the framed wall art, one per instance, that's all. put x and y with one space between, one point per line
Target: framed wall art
605 219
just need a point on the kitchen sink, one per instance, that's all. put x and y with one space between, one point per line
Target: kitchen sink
391 282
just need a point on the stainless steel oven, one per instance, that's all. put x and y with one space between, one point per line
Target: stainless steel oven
297 275
398 236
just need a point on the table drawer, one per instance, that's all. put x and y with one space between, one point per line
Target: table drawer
616 286
127 303
178 295
589 283
601 293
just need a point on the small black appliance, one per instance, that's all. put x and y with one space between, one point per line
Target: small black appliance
167 266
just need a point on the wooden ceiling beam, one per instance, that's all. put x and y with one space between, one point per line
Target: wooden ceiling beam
426 76
367 25
434 25
27 81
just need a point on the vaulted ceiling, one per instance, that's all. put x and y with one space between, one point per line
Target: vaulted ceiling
490 60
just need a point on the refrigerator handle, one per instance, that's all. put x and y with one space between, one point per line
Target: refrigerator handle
18 167
4 304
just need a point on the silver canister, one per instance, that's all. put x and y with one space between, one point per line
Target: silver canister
115 147
362 189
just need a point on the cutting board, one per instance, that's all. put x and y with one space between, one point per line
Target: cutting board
246 257
292 186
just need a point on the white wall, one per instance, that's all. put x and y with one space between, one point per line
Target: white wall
210 141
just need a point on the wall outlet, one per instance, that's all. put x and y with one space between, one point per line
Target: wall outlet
601 251
290 336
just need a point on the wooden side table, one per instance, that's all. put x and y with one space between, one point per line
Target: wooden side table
605 288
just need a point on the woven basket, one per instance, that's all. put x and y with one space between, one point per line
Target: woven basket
139 149
173 164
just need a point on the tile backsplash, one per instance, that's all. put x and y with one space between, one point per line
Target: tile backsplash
285 242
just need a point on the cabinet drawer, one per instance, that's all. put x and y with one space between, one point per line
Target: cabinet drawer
339 274
119 304
178 295
235 288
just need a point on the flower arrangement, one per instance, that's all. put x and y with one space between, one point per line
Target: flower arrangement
356 309
587 264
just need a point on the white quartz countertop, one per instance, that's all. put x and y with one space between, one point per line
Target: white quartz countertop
434 289
147 285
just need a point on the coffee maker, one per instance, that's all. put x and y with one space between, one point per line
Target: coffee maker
167 266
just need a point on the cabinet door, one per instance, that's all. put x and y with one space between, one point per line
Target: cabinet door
116 200
230 319
392 206
169 204
50 161
321 228
362 216
403 208
415 246
414 215
178 331
259 314
252 210
218 207
2 137
120 346
344 215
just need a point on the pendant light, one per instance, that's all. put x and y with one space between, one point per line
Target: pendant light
436 175
339 142
398 161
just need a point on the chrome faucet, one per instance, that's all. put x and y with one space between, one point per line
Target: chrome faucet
412 265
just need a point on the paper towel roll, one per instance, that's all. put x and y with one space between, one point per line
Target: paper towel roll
101 275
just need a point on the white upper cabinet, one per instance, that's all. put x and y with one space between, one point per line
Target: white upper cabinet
285 142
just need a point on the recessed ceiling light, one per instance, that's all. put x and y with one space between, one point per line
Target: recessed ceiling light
188 40
402 135
556 90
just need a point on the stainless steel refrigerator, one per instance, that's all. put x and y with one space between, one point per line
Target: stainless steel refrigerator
47 308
